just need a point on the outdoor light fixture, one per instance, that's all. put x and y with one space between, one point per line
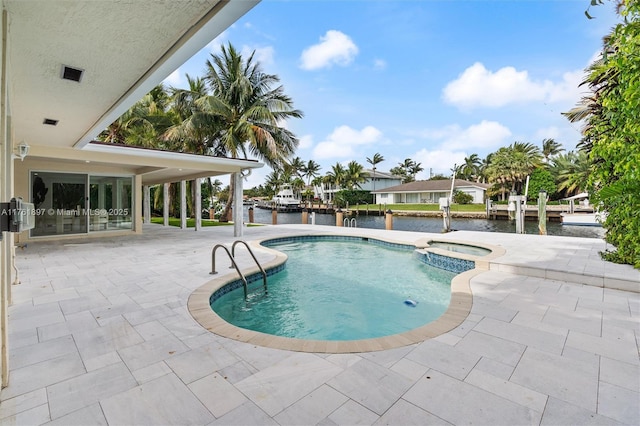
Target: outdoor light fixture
23 150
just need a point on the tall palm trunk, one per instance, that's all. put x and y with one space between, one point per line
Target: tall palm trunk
227 208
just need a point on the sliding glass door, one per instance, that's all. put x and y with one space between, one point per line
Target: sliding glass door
76 203
60 203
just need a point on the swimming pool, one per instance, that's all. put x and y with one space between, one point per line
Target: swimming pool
200 300
342 289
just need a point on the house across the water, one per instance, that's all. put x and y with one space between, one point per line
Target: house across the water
429 191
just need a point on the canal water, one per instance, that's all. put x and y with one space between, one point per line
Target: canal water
433 224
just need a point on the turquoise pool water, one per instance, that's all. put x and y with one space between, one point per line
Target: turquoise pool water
341 290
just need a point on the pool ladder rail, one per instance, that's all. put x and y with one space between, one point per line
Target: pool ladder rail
235 265
350 223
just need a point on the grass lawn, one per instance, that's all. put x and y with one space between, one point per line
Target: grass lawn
422 207
191 223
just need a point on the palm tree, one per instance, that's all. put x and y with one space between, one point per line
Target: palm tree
550 148
355 175
295 167
249 111
470 169
571 171
311 171
376 159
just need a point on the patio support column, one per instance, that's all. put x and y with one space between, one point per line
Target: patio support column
237 204
147 203
6 188
183 204
165 201
198 204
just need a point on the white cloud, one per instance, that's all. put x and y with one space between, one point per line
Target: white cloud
174 79
484 135
438 161
379 64
342 141
264 55
306 142
480 87
334 48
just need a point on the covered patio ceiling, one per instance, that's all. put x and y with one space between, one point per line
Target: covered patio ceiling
154 166
119 49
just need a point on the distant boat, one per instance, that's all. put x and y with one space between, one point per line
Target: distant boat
581 219
575 218
285 197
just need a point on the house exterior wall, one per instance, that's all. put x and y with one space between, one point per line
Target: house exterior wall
24 168
427 197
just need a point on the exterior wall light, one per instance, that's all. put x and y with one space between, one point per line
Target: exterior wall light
23 150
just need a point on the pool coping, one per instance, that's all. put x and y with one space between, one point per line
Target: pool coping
457 311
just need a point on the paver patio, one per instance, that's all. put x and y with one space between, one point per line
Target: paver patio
100 334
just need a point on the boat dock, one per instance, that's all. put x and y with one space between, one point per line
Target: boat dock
496 212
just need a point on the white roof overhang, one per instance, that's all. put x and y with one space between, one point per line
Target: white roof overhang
154 166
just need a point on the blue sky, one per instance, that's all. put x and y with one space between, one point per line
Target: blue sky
434 81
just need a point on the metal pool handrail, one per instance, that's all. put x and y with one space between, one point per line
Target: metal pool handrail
264 274
233 264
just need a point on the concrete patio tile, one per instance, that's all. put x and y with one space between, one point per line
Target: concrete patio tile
209 358
86 389
247 414
13 406
495 368
534 321
73 323
145 315
151 330
276 387
495 348
56 296
91 415
146 353
26 317
343 360
238 371
566 379
151 372
313 408
490 309
33 416
620 373
409 369
163 401
352 413
110 336
209 390
406 414
582 291
440 395
444 358
558 412
87 302
541 340
33 354
508 390
371 385
621 350
43 374
22 338
619 403
584 320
